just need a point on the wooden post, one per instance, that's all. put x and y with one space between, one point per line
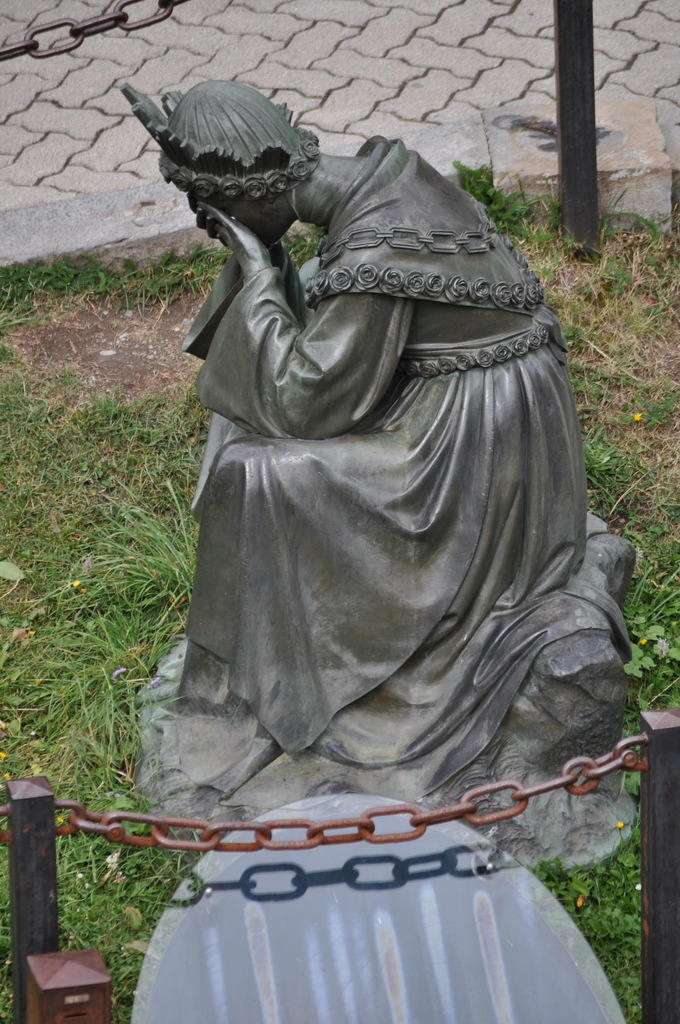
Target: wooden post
660 818
32 879
576 131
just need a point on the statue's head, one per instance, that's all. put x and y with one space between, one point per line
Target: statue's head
225 144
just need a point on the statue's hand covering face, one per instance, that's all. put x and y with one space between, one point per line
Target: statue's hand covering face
226 144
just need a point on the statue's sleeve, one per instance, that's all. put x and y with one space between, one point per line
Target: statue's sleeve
274 375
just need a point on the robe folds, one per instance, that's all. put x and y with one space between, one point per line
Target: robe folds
393 508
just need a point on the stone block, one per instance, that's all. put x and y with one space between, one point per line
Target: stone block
14 138
419 97
650 25
461 21
619 43
667 111
78 123
651 71
347 12
128 51
381 122
296 102
17 197
144 167
510 80
385 71
85 83
310 82
453 111
345 107
606 66
669 8
428 53
607 13
313 44
496 42
672 136
161 74
238 55
84 181
440 145
394 29
239 21
18 93
123 141
634 171
344 144
113 223
198 14
48 156
530 17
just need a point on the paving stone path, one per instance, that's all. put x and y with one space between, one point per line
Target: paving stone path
349 69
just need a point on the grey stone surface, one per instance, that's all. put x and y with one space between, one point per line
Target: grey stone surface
440 146
394 65
125 219
424 52
422 96
345 106
393 29
634 170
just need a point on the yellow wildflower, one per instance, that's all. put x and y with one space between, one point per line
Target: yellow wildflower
7 775
620 824
31 632
3 755
642 641
38 682
76 583
637 416
60 819
580 900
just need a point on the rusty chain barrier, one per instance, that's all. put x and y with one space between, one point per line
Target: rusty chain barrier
80 30
579 775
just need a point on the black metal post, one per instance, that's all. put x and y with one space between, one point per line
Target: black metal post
576 131
660 817
32 879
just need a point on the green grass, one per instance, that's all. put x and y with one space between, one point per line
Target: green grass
29 292
93 510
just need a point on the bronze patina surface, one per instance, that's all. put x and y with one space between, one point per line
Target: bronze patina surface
398 590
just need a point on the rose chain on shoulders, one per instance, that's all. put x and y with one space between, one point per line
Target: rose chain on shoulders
413 284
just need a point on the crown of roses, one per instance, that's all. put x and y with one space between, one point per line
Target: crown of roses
246 185
225 139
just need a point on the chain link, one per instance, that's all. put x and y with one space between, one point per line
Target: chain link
78 31
579 775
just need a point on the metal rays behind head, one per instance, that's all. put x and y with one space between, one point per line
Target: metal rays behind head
226 138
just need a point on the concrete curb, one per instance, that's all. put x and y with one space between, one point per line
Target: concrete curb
146 221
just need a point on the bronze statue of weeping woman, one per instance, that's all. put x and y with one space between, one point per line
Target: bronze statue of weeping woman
398 590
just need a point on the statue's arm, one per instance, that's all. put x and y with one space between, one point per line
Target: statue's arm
272 374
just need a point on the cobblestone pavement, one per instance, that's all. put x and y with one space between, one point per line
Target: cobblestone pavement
349 68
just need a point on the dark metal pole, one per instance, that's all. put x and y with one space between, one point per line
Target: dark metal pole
660 818
576 131
32 879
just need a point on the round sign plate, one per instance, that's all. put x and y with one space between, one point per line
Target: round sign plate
445 929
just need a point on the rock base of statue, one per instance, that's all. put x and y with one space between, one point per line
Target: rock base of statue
571 703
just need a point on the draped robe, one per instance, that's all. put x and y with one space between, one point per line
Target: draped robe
393 507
